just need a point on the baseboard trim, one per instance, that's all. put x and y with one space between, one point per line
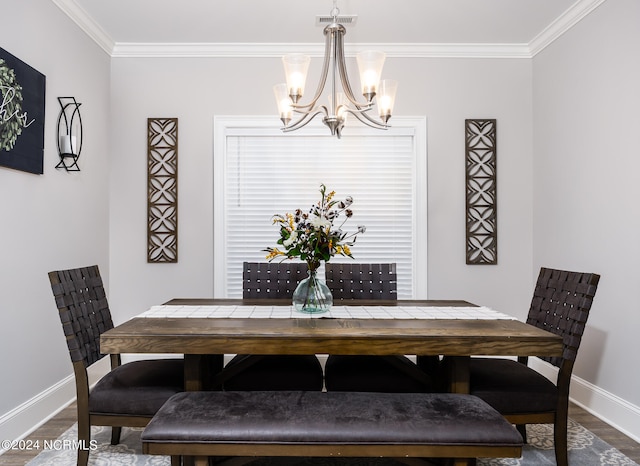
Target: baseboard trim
24 419
21 421
620 414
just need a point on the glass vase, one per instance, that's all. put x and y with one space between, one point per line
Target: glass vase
312 295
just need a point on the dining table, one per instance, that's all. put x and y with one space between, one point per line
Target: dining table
202 330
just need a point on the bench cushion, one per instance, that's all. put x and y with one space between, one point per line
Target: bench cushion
291 417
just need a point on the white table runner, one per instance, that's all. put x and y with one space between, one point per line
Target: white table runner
336 312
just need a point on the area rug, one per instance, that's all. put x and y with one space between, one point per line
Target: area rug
585 449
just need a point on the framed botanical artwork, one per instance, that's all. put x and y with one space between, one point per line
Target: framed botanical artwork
22 99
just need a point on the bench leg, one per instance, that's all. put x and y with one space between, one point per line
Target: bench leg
115 435
522 428
189 461
464 462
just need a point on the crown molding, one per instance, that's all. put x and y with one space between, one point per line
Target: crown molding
562 24
259 50
87 24
556 29
409 50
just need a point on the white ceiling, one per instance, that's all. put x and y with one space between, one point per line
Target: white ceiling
118 24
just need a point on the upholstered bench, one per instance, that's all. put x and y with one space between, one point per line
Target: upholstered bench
354 424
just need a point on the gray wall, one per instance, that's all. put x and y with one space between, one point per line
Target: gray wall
51 221
194 90
587 185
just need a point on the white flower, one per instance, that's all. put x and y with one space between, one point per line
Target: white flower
292 239
320 223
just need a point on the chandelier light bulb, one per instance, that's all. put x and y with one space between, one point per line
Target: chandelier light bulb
285 105
370 81
370 64
340 107
296 66
387 98
297 81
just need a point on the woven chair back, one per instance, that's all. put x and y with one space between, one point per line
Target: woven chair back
271 279
83 310
561 303
362 281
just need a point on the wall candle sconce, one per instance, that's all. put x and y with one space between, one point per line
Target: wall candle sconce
69 134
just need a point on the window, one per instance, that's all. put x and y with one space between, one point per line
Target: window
259 172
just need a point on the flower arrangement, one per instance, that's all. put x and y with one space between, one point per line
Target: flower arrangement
312 236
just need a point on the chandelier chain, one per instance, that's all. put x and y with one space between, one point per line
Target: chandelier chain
335 11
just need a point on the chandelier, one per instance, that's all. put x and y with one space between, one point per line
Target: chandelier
376 92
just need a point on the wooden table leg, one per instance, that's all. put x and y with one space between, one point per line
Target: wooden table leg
199 370
193 372
458 371
197 373
458 368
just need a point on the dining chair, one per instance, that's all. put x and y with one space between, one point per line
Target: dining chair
365 373
561 304
273 372
129 394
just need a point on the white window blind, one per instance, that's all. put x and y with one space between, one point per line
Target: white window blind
266 174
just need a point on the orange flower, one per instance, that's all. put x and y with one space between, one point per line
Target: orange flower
273 253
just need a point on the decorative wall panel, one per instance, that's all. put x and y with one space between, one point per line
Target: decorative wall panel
481 193
162 188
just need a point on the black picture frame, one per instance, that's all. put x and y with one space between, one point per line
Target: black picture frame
22 112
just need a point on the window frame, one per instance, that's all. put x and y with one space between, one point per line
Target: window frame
225 126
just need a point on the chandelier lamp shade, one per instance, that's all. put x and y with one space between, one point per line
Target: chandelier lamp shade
341 99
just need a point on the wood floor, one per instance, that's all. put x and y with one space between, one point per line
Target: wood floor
65 419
